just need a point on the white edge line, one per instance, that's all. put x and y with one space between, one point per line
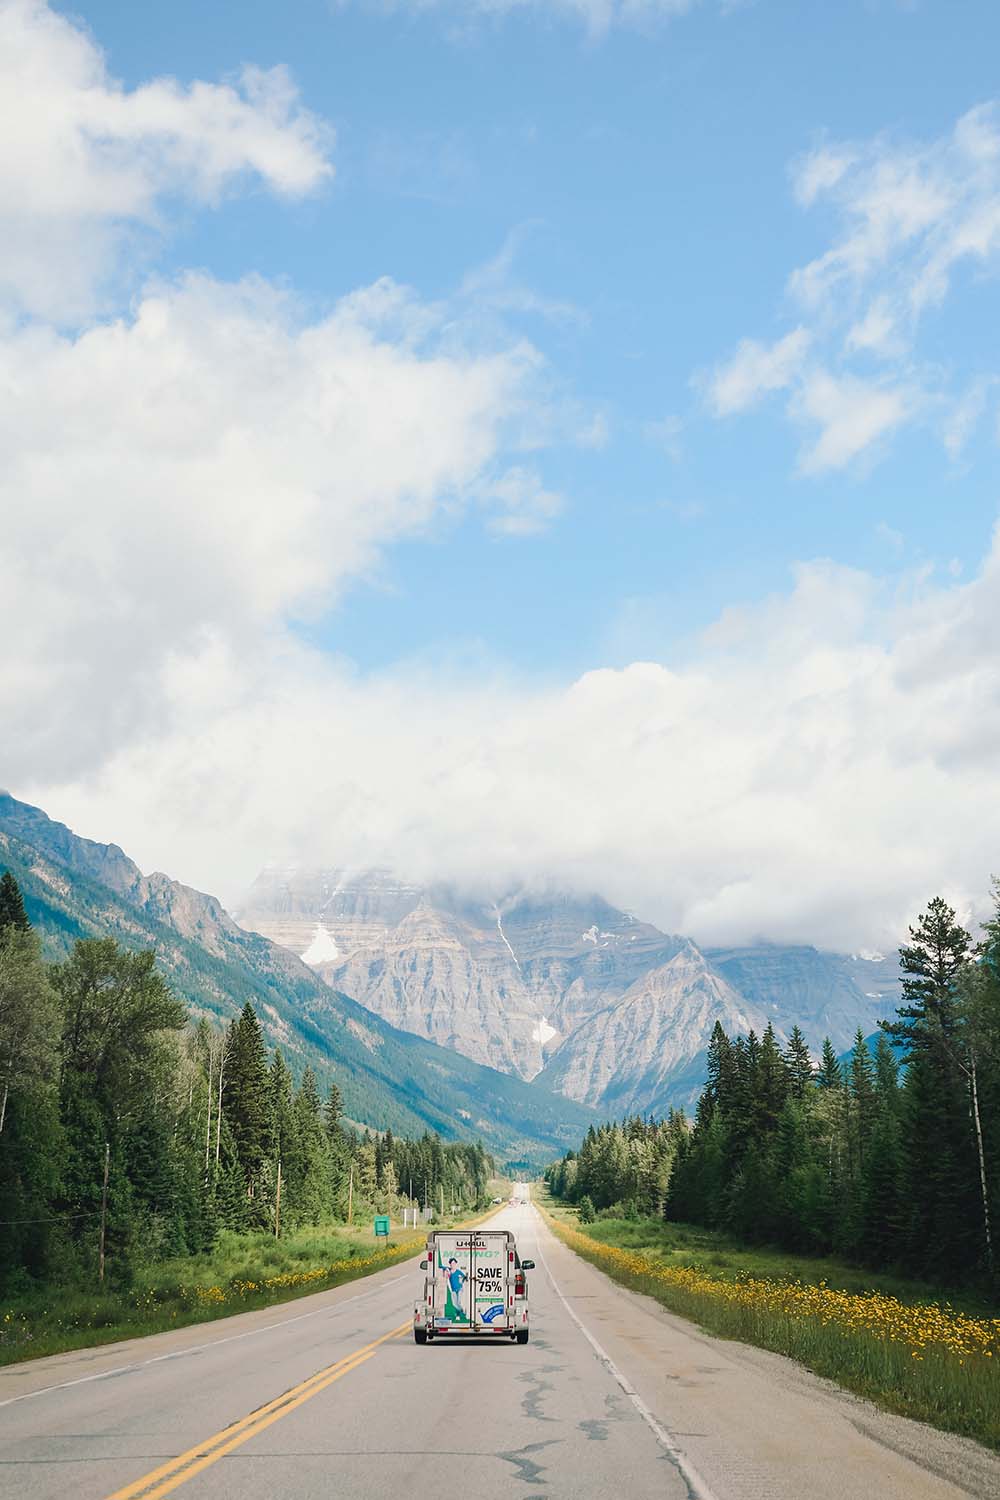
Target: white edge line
231 1338
699 1489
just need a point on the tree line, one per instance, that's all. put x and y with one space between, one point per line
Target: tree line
125 1129
891 1159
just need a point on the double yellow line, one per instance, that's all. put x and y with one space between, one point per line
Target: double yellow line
177 1471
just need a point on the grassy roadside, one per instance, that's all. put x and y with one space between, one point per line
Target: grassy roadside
242 1272
924 1358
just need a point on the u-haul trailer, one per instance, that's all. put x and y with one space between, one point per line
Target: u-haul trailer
474 1286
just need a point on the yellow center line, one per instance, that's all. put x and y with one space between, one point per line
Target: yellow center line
177 1471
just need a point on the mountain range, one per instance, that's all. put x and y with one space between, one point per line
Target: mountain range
519 1019
564 990
76 888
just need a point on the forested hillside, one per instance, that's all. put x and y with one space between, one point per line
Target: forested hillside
891 1159
74 888
127 1135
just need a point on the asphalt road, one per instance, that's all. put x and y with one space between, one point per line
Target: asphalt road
330 1397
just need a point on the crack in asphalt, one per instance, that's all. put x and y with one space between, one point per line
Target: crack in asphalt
527 1470
531 1401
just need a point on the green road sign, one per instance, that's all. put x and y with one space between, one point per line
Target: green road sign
382 1224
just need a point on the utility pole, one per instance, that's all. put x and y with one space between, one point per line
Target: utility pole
208 1113
218 1108
104 1211
277 1203
350 1196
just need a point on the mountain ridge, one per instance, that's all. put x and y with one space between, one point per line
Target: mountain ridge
529 982
75 887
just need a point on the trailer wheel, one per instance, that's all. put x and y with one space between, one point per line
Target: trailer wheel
522 1335
420 1335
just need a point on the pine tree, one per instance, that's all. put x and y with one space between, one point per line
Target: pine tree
12 912
279 1083
941 1141
245 1100
861 1083
771 1083
799 1064
333 1111
829 1074
932 965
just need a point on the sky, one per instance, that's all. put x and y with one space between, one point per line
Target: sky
526 441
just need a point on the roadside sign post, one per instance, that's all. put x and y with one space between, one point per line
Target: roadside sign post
382 1225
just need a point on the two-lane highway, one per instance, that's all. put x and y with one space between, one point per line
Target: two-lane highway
329 1396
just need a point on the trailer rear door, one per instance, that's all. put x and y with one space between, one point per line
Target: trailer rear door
492 1259
472 1278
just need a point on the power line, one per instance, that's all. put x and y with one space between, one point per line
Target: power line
58 1219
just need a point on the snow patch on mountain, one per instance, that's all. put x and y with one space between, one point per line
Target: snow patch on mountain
323 948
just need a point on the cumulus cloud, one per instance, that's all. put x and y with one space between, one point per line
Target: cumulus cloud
220 467
908 217
86 164
815 770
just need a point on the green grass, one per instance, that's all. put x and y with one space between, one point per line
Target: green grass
242 1272
690 1245
788 1304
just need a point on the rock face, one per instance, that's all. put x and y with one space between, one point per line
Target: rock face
646 1051
504 983
826 994
593 1002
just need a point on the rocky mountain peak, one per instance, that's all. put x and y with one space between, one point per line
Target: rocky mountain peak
552 984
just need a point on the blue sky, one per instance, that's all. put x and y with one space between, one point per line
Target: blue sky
517 441
640 180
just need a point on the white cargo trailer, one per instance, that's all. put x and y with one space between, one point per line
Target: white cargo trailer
474 1286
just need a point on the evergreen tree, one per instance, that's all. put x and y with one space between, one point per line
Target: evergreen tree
12 912
30 1014
829 1075
798 1064
932 965
246 1099
771 1084
333 1111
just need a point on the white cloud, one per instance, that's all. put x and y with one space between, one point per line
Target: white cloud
521 505
911 214
188 486
178 481
819 171
965 414
852 414
756 369
821 765
908 217
494 286
86 164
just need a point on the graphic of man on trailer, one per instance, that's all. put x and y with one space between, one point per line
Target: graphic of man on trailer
454 1282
